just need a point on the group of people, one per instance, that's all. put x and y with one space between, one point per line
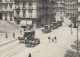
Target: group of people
13 34
52 39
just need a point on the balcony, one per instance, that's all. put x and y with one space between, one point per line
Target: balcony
16 16
59 6
24 8
17 8
62 2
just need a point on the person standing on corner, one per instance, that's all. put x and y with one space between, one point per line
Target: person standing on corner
13 35
49 39
55 39
6 35
29 55
20 32
52 40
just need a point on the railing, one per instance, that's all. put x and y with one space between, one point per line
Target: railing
23 7
17 8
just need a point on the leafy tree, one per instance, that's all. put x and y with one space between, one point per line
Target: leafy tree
70 53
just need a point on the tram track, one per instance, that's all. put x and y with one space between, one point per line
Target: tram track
11 50
15 52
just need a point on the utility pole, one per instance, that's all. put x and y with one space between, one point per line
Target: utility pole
71 29
77 40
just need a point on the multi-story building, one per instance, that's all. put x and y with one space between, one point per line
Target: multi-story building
34 12
6 10
71 8
78 12
78 4
59 9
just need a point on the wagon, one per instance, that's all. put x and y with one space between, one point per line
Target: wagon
46 29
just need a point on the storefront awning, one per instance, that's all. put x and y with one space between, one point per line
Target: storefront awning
25 22
29 22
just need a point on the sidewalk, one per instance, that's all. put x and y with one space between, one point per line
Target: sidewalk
4 40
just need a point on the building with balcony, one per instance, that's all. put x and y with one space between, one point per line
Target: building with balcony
78 12
6 10
59 9
71 8
34 12
78 4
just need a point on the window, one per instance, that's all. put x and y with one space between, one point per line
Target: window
5 0
5 14
0 0
6 6
17 12
10 14
30 4
10 19
24 4
10 5
23 13
5 19
11 0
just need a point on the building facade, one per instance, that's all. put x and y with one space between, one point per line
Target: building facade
78 4
6 10
78 12
59 9
34 12
71 8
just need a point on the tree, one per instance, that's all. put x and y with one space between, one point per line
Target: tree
70 53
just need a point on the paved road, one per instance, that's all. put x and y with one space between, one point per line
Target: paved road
45 49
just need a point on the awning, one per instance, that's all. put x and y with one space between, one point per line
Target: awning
29 22
23 23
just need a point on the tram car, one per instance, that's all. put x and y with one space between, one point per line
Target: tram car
29 39
46 29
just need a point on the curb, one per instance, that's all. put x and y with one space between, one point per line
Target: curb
8 42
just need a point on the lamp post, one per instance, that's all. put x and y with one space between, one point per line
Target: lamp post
77 41
71 29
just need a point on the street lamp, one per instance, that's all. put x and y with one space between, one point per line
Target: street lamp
77 41
71 29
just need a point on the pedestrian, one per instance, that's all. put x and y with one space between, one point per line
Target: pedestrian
52 40
49 39
55 39
20 32
13 35
29 55
6 35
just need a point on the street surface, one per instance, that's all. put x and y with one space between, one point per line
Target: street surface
45 49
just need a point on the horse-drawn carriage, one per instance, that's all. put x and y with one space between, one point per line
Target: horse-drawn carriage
29 39
59 23
54 25
46 29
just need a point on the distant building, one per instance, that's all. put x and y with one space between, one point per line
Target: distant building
71 8
6 10
59 9
34 12
78 4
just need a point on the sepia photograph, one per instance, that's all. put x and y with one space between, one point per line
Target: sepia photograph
39 28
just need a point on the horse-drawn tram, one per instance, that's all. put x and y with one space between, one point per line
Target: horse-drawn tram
29 39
